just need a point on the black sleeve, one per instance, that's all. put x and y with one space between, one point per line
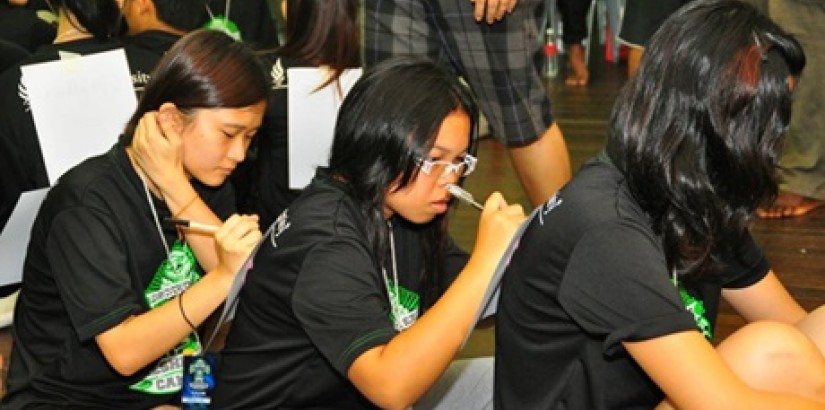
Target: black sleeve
339 301
85 250
616 285
748 267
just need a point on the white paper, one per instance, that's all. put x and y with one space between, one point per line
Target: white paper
311 119
79 105
15 237
489 304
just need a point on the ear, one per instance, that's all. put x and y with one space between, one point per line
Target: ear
147 6
170 116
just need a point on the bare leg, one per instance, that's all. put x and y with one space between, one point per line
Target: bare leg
813 325
580 75
543 166
776 357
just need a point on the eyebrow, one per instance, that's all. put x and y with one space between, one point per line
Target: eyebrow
239 127
444 150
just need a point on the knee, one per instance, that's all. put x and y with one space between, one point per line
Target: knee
776 356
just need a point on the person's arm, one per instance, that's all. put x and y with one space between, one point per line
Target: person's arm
142 339
492 11
397 374
751 304
765 300
156 149
694 376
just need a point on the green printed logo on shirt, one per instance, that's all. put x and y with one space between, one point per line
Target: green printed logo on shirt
404 309
175 274
697 308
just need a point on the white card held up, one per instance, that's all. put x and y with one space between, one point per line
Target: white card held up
79 105
311 117
14 240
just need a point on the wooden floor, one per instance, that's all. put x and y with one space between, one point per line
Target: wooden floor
795 247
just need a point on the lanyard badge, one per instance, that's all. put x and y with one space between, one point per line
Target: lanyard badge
198 381
174 275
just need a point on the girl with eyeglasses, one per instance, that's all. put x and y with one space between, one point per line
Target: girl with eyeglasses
358 297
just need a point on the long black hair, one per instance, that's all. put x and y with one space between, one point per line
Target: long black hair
389 120
697 131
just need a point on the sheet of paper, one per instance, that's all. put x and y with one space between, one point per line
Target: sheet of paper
489 304
232 297
14 240
311 119
79 105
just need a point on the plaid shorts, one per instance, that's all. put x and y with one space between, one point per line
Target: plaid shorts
499 61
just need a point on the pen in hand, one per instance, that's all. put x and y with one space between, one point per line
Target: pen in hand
463 195
198 226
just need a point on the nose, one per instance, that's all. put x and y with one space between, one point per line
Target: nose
237 149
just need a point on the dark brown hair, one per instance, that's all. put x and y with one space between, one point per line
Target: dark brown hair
204 69
323 32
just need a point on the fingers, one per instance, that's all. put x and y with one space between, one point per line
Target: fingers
500 218
235 241
492 10
496 203
239 233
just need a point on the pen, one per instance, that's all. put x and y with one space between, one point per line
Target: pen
463 195
198 226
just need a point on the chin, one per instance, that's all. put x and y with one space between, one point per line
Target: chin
212 182
422 219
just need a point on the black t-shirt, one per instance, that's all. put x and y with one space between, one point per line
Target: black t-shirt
313 302
94 248
143 51
22 26
253 18
590 274
11 54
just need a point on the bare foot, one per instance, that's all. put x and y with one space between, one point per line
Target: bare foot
788 204
580 75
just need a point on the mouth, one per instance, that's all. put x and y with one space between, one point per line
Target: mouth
441 205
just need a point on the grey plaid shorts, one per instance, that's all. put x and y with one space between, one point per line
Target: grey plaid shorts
499 61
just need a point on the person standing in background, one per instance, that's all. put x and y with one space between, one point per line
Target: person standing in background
641 19
574 24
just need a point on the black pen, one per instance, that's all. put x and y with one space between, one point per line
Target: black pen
198 226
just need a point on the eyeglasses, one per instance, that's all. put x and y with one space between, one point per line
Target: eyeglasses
444 168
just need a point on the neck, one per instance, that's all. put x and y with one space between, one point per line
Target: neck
68 29
149 184
138 26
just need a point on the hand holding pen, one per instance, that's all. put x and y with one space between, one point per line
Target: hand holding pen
234 240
